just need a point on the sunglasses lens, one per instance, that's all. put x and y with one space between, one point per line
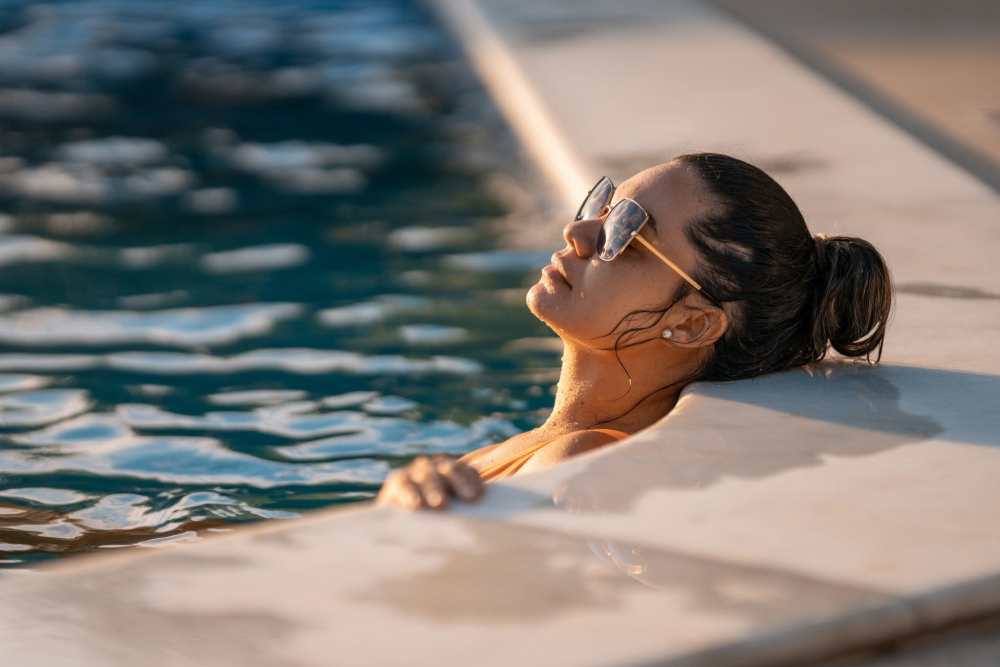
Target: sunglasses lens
622 224
598 197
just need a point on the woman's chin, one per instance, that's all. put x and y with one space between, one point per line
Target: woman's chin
544 301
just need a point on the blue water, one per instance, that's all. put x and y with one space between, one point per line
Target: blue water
251 258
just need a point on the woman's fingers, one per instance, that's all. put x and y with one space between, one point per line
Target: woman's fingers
463 480
432 485
475 482
409 495
457 483
398 489
428 482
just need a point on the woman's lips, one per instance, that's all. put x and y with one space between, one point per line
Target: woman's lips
554 273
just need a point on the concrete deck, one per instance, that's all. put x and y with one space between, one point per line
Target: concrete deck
928 66
782 520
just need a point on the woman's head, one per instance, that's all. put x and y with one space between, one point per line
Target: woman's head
774 296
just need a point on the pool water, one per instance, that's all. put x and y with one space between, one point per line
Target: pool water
252 256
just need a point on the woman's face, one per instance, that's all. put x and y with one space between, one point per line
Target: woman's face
589 302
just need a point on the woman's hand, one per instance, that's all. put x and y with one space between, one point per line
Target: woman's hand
428 482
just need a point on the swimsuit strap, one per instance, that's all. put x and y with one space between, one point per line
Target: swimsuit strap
613 432
521 458
501 467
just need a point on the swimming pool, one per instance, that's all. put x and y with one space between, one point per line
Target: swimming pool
251 257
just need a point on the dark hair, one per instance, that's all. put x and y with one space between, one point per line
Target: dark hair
789 295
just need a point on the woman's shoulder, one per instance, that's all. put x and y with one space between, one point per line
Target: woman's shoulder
545 449
583 440
476 453
510 445
571 444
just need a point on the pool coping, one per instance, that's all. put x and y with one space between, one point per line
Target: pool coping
494 58
257 567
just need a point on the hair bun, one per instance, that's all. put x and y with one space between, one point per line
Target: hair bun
853 296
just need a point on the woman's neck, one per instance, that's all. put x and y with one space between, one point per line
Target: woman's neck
594 392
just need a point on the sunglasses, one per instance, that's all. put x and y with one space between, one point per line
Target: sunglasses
622 225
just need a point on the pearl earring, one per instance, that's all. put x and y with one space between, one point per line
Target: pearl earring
667 333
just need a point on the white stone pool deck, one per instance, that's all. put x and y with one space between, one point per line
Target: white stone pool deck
778 521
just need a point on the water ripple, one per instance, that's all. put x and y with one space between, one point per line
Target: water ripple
256 258
280 421
45 496
400 437
251 264
34 408
185 327
374 310
182 460
21 382
23 248
290 360
255 397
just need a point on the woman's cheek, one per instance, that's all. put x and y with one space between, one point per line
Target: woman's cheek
595 304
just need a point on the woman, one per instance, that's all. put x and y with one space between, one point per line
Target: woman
700 268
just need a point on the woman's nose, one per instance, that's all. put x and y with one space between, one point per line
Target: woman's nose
581 235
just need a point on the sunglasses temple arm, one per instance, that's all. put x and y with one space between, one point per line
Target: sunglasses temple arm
679 270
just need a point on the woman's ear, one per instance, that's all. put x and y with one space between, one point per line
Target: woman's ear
697 324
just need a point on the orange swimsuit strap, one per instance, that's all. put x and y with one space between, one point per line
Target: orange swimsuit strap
512 465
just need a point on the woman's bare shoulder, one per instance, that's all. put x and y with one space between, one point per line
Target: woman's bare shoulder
509 447
528 437
476 453
570 444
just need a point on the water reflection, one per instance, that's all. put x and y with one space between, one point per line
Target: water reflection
186 327
288 360
250 263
